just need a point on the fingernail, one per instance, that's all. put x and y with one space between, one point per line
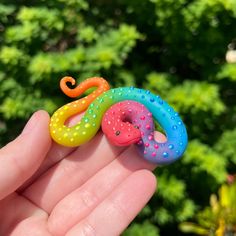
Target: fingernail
30 124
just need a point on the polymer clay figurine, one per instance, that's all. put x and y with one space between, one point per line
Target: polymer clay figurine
137 119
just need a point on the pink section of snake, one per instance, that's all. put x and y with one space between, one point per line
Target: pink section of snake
126 122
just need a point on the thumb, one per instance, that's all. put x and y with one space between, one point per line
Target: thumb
20 158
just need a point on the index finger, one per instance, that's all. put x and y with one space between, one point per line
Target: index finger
20 158
56 153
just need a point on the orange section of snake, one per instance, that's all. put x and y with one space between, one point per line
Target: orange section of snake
98 82
59 118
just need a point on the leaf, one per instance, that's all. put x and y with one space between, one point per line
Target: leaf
187 227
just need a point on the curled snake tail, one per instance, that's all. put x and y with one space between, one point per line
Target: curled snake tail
98 82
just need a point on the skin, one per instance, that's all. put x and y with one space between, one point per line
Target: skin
52 190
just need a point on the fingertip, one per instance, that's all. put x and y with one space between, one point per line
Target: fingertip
22 157
40 116
160 137
42 113
147 179
41 130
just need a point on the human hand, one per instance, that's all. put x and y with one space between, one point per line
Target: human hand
47 189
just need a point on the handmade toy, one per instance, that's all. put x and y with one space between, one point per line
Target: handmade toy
97 104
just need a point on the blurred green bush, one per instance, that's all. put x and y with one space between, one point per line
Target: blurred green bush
175 48
220 217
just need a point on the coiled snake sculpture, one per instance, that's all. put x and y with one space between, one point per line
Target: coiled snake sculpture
126 115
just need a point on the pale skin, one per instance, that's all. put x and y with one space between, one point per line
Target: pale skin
50 190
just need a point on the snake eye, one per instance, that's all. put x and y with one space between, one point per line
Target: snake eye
117 133
136 127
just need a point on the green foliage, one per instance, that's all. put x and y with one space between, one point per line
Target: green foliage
5 11
226 145
167 192
193 96
217 219
110 50
174 48
205 159
19 108
11 56
227 71
142 229
158 83
187 26
175 204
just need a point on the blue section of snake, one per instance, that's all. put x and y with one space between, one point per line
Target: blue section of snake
168 119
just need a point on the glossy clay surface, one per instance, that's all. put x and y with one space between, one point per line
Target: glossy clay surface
85 130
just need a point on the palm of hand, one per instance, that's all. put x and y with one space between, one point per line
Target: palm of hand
46 189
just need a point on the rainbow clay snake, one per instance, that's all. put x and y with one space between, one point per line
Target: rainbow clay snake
97 103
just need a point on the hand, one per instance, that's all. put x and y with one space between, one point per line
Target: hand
47 189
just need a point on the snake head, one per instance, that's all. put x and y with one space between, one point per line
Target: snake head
123 135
